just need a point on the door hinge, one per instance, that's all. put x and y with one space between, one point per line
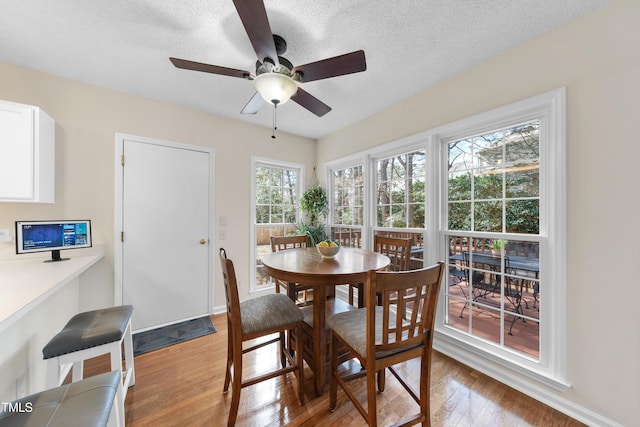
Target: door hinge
122 236
122 160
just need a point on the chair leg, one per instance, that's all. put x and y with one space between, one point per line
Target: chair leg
227 377
300 362
236 386
333 371
381 380
425 382
281 344
371 395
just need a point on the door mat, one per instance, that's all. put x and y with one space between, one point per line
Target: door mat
154 339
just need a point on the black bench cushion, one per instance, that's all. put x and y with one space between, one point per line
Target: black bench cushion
89 329
82 403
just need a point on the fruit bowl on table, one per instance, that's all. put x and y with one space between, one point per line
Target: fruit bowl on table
328 249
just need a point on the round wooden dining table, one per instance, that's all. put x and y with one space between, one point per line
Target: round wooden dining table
306 266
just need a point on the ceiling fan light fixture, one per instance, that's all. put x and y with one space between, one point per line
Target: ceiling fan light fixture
275 88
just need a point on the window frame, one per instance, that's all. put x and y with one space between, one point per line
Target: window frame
272 163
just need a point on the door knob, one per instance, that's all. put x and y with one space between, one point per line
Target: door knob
203 241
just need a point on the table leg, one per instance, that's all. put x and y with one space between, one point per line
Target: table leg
319 338
291 291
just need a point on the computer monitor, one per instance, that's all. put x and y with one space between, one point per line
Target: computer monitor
54 236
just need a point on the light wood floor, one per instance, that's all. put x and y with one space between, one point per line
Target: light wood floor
181 385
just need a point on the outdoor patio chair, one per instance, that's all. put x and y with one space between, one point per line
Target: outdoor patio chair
487 278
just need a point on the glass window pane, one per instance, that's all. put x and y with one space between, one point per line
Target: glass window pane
276 215
416 216
488 184
262 214
523 216
488 216
459 186
523 180
524 143
460 216
289 214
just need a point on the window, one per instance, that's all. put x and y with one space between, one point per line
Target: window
487 196
277 191
347 204
400 200
493 196
502 224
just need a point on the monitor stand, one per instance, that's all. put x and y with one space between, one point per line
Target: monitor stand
55 256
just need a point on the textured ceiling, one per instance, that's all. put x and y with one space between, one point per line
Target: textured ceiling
410 45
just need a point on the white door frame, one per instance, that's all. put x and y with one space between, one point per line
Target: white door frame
117 241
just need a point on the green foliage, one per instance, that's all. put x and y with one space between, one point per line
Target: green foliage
314 202
314 234
497 244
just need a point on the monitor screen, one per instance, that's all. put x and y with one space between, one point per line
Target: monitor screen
39 236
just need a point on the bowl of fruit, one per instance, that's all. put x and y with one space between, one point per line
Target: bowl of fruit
328 249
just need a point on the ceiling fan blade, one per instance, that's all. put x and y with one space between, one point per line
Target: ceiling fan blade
207 68
256 23
311 103
254 105
348 63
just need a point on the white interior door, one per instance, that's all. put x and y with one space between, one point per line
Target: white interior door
165 220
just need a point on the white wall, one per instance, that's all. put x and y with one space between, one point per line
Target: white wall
87 119
598 59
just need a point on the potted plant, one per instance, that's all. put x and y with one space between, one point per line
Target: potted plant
313 203
496 246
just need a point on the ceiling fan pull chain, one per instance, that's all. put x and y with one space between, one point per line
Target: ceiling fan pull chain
275 119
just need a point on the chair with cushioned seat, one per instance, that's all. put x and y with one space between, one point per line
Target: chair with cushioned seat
96 401
87 335
399 329
255 318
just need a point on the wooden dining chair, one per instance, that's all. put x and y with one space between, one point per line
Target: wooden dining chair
398 249
399 329
282 244
254 318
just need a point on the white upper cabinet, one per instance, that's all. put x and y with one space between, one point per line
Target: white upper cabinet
27 154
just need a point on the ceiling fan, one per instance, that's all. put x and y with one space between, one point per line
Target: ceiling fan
276 79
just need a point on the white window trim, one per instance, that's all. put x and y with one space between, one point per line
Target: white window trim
255 161
551 369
